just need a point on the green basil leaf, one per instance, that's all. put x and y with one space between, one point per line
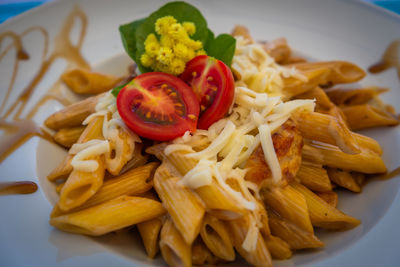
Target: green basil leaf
222 48
210 39
128 36
182 12
117 89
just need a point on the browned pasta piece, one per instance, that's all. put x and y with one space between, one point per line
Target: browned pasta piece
294 86
278 248
92 131
73 115
296 237
338 71
327 129
84 81
329 197
359 178
367 116
134 182
368 143
289 204
68 136
149 231
331 156
260 256
109 216
182 204
278 49
344 179
174 249
324 215
314 177
322 101
240 30
80 186
215 235
201 255
353 96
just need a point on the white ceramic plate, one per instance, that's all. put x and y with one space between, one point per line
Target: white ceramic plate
325 30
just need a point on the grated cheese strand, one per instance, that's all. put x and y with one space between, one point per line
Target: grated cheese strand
269 152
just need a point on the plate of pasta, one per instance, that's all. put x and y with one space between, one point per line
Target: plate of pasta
262 133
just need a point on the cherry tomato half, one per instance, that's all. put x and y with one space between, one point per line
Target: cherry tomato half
212 81
158 106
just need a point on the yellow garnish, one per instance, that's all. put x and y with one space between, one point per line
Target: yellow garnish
174 49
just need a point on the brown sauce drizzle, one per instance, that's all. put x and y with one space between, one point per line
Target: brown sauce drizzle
11 188
392 174
18 129
390 59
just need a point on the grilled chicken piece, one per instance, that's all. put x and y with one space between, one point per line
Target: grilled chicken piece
288 144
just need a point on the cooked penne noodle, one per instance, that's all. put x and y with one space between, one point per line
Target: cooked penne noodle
289 204
215 235
337 71
295 237
134 182
314 177
324 215
174 249
278 248
68 136
327 129
322 101
201 255
344 179
314 77
359 178
329 197
353 96
59 187
367 116
109 216
80 186
331 156
183 206
368 143
92 131
278 49
84 81
73 115
260 256
150 231
240 30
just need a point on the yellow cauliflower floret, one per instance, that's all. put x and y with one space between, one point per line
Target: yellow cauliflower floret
174 49
201 52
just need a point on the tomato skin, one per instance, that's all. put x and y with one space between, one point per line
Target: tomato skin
213 83
158 106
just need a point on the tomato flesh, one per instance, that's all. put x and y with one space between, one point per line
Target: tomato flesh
158 106
212 82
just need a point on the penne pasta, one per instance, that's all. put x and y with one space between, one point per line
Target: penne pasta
295 237
331 156
314 177
289 204
344 179
367 116
201 255
134 182
259 256
278 248
73 115
327 129
68 136
324 215
174 249
150 231
216 237
84 81
353 96
109 216
183 206
329 197
322 101
337 71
